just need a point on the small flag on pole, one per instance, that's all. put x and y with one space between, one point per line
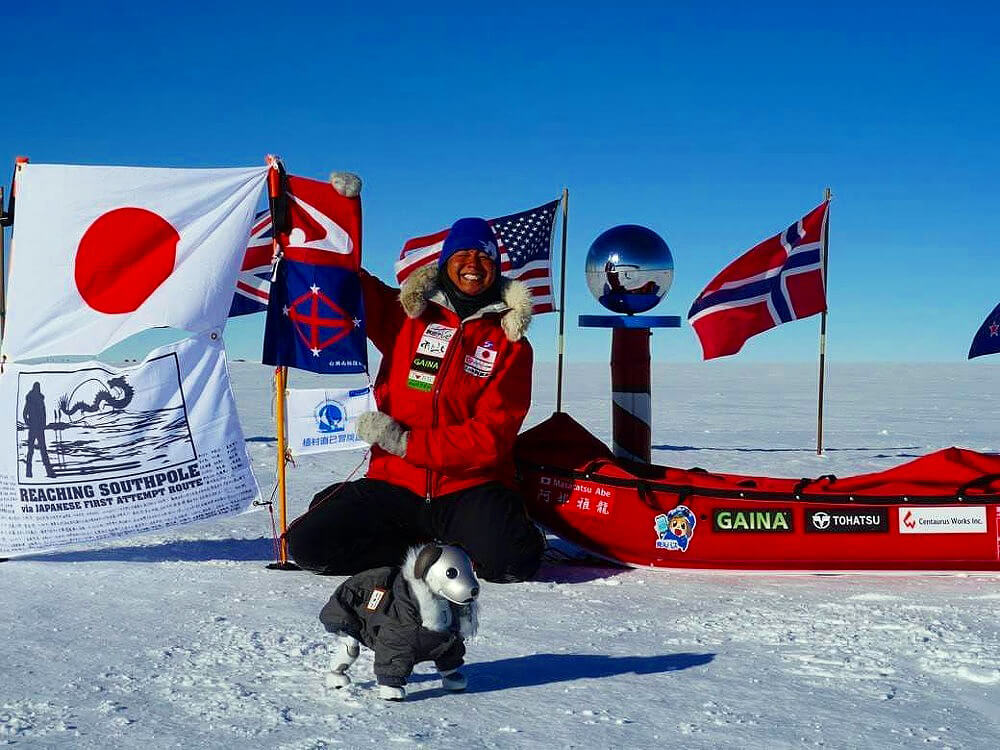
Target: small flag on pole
777 281
987 338
525 243
315 315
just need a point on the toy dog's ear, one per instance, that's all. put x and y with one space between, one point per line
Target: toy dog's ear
425 558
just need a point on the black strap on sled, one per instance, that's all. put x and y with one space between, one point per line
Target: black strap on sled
978 483
806 481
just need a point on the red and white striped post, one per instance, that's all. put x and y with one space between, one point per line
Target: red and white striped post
631 410
631 403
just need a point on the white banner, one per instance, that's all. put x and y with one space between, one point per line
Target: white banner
98 451
101 253
321 420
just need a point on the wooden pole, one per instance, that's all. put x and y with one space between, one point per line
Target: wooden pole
280 381
827 195
560 344
274 188
3 265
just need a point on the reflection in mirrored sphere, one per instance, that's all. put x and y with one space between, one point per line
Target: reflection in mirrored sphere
629 269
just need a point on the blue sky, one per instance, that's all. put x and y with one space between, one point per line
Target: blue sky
716 127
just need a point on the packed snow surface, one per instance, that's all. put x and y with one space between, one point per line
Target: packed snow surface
183 638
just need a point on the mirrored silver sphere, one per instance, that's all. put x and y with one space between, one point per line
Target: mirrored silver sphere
629 269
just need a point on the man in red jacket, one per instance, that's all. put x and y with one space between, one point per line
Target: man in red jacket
452 391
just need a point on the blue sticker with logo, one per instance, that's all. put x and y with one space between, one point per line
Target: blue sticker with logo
675 529
330 416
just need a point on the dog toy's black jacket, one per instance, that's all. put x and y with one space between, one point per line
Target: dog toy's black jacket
395 614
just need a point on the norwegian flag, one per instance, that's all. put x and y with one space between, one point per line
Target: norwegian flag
525 243
779 280
253 285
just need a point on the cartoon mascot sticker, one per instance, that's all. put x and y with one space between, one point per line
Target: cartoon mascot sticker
675 529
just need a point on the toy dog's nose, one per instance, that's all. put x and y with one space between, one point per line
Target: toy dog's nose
474 592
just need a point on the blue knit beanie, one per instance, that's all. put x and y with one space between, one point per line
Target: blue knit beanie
469 234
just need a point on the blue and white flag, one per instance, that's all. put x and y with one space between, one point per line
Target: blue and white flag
321 420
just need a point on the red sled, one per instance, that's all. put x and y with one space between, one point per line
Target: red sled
937 512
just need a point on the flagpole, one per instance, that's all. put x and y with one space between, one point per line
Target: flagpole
6 220
827 195
280 382
560 346
3 265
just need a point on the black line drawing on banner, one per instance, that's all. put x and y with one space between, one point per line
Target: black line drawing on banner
107 421
35 422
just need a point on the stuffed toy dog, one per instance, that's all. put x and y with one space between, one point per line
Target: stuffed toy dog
422 611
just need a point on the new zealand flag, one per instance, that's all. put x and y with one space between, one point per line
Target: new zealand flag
987 338
315 315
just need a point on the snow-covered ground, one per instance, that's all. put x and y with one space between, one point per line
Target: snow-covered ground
184 639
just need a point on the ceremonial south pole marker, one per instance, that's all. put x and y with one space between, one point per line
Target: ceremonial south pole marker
629 270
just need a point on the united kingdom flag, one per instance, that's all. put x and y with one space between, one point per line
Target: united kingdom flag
253 285
779 280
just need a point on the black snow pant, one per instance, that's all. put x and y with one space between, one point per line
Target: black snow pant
369 523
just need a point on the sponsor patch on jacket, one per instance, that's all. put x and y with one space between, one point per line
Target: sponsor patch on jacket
430 353
375 599
482 362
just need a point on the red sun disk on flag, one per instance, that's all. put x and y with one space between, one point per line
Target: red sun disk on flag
123 257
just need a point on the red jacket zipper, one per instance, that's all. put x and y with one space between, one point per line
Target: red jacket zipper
438 380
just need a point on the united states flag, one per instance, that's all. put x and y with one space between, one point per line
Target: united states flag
253 285
776 281
525 243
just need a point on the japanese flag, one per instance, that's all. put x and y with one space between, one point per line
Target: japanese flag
101 253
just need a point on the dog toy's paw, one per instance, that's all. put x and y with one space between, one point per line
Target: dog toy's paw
337 680
390 693
454 681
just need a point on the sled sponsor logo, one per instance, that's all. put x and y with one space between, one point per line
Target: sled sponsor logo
481 364
764 520
840 521
375 599
675 529
943 520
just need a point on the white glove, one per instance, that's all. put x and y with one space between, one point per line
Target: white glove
347 184
343 657
374 427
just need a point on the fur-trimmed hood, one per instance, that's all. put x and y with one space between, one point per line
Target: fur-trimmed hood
435 612
514 308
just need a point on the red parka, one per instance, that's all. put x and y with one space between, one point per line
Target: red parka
461 388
